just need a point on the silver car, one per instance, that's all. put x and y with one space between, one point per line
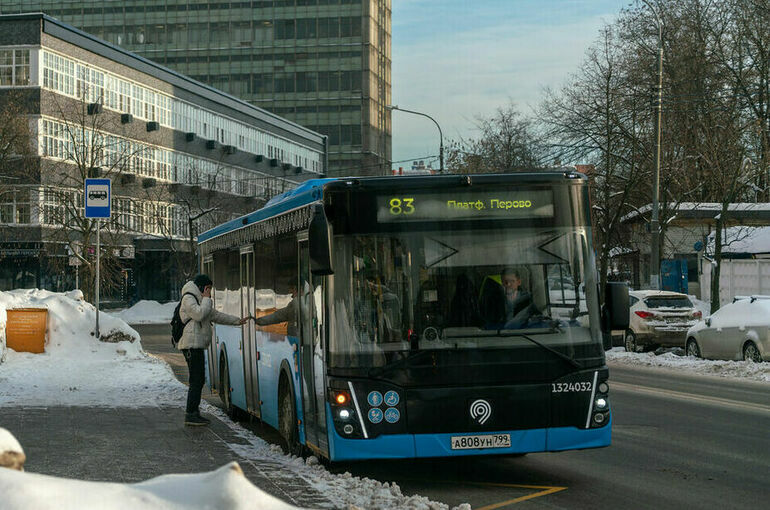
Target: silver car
737 331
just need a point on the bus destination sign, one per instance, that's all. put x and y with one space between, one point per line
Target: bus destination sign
477 205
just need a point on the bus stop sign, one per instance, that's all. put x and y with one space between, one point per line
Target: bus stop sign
98 198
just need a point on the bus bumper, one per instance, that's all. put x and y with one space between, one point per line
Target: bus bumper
407 446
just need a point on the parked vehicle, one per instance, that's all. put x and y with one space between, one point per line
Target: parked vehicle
738 331
658 318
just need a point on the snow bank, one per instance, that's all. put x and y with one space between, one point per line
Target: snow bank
8 443
675 359
148 312
69 316
11 453
225 488
344 490
702 306
78 369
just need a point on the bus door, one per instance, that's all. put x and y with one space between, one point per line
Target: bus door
248 333
213 364
311 301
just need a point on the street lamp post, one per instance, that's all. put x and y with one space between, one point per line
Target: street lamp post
440 134
654 221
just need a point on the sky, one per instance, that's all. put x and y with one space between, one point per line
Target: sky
457 59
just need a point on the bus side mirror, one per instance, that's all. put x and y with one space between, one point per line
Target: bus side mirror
319 243
616 307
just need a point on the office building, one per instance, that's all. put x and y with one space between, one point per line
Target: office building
181 156
324 64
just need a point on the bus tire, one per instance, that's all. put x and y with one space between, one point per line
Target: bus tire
287 419
224 391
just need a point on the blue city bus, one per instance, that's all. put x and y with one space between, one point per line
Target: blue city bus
423 316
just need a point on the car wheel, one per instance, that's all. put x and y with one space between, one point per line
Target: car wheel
692 348
751 353
287 422
630 342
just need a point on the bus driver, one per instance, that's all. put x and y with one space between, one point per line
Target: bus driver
506 305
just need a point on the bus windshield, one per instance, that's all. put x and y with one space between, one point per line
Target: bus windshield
461 289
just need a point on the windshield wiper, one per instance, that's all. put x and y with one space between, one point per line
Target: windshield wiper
563 356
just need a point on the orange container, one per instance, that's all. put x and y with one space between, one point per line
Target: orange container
26 329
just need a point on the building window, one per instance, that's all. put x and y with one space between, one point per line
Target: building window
14 67
81 80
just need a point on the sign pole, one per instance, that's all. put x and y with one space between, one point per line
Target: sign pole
98 256
98 195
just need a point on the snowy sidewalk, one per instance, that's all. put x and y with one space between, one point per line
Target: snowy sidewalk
134 444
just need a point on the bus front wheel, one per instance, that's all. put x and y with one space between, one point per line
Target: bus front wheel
287 420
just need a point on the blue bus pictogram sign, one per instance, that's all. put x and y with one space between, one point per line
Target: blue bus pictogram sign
98 198
392 398
375 415
392 415
374 398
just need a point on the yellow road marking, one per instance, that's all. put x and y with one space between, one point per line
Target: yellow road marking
545 490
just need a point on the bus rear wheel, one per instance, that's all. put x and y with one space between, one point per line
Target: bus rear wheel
287 422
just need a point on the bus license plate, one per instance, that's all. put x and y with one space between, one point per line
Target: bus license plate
481 442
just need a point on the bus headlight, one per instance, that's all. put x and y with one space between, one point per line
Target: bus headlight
603 387
348 429
600 404
599 418
344 414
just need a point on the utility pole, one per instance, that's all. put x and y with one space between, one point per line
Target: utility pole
655 221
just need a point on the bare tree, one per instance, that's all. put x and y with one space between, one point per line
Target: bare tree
208 199
507 143
597 119
84 141
743 53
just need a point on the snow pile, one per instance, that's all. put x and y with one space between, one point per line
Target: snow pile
675 359
76 368
68 314
344 490
742 240
702 306
225 488
148 312
11 453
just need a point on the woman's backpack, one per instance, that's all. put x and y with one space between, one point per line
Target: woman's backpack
177 325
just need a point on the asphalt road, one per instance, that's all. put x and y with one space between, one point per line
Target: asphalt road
679 441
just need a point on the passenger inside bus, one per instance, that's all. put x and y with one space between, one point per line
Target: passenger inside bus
464 310
286 314
506 305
